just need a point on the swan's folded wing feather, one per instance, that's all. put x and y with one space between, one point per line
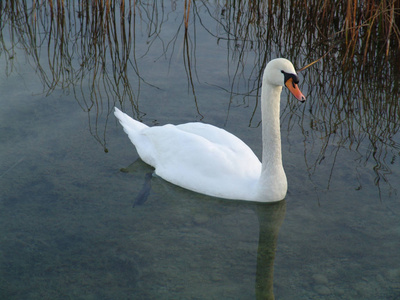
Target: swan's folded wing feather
203 158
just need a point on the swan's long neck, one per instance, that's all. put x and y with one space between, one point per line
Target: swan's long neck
271 131
272 182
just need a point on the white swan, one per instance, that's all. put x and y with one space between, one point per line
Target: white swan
210 160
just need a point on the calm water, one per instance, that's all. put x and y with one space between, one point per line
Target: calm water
68 226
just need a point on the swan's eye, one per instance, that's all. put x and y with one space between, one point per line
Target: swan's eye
290 75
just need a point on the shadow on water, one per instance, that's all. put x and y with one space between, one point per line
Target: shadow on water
352 91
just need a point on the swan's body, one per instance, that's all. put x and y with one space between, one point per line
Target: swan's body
210 160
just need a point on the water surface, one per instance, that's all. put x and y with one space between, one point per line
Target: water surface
67 221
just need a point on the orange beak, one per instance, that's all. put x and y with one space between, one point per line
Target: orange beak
294 89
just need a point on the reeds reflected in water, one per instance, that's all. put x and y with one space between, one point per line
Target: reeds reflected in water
353 90
77 46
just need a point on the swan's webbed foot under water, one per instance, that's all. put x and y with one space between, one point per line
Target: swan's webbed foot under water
144 192
139 167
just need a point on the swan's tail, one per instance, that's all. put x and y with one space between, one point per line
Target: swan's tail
131 126
135 131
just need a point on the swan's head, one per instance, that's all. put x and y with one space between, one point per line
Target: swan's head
280 72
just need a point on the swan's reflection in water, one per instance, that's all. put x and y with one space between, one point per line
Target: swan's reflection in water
270 218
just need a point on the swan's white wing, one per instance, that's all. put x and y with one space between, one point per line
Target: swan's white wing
204 158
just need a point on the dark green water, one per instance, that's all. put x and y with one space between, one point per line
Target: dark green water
67 223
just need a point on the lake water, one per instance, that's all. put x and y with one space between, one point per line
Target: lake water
69 175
